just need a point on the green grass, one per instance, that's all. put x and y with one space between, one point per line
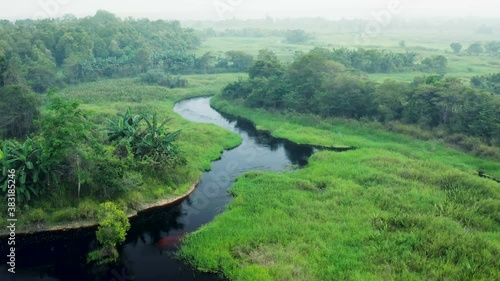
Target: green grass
103 100
308 129
462 66
394 209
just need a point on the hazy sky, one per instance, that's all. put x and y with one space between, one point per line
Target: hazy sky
223 9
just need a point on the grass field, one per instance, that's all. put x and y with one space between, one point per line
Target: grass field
426 45
103 100
394 209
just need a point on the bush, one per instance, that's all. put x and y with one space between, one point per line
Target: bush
87 209
113 227
37 216
135 200
64 215
131 181
158 77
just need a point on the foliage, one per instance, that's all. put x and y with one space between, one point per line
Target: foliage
475 48
235 61
20 108
32 172
52 52
457 47
374 61
314 83
152 144
266 65
489 82
159 77
112 230
297 36
64 127
435 64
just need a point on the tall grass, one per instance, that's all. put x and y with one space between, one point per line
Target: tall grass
394 209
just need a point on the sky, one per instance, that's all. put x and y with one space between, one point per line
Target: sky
244 9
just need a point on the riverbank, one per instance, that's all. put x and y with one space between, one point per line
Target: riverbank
94 223
103 100
394 209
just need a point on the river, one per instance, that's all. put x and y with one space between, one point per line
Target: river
148 253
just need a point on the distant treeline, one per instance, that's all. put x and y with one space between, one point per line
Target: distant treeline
46 53
381 61
487 82
349 26
491 48
316 83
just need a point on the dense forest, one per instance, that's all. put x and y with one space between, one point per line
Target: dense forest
322 82
57 52
53 143
47 53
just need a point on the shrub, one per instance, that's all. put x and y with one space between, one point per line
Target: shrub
135 200
37 215
158 77
113 227
64 215
87 209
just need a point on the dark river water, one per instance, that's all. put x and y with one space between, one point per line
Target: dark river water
148 253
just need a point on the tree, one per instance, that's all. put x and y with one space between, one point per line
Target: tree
475 49
456 47
297 36
3 68
143 59
19 109
41 78
67 138
436 64
422 106
347 96
112 230
267 65
493 47
237 61
13 74
307 74
487 82
206 63
390 98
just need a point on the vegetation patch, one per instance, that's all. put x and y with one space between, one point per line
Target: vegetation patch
126 170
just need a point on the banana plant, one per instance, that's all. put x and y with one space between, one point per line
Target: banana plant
156 142
125 127
31 176
149 140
